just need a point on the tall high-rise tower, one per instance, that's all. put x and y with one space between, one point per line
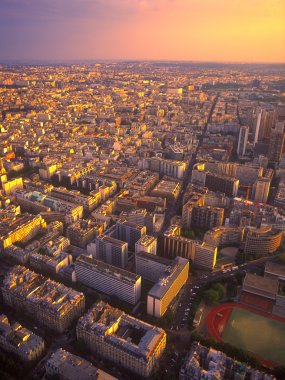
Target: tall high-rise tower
276 143
242 140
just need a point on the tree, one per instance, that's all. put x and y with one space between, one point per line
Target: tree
211 296
219 288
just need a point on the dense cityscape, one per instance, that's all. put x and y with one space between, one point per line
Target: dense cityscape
142 221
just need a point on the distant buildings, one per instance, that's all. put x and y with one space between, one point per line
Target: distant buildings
98 154
276 145
261 190
121 338
167 189
242 140
175 169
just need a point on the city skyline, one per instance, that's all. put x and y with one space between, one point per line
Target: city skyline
141 202
175 30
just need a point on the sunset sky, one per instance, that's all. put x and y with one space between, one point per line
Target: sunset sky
199 30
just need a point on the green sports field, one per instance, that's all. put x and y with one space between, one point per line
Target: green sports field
261 336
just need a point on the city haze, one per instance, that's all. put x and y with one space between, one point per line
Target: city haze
226 31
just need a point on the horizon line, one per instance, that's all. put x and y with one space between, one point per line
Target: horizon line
122 60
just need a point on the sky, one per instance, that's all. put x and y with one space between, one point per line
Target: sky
196 30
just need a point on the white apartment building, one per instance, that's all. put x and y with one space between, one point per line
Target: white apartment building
108 279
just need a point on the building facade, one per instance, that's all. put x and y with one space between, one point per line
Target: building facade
48 302
19 340
108 279
121 338
168 286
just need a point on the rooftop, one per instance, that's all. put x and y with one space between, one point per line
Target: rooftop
158 259
260 283
111 240
35 288
169 276
71 366
18 336
146 240
275 269
136 337
107 269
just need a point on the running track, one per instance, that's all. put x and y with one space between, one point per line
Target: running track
216 324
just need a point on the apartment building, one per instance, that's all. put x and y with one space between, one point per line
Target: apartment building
151 267
201 254
140 216
198 216
262 241
22 228
82 232
146 244
108 279
66 366
36 201
111 251
88 202
50 264
46 301
168 286
129 232
260 190
205 256
121 338
167 189
19 340
171 168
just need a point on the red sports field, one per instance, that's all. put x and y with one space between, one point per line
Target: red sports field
255 331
